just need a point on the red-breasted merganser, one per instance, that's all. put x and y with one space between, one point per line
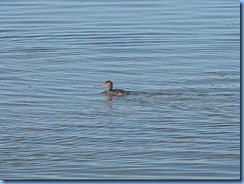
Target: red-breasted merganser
114 92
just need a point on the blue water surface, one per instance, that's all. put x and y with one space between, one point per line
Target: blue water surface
179 59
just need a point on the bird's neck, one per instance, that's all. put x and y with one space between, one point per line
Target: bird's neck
110 86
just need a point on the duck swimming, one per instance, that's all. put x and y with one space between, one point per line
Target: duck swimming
114 92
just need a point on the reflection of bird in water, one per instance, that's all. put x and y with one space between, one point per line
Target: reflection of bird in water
114 92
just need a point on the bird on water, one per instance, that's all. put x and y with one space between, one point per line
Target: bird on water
114 92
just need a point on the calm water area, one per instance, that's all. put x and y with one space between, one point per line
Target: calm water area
179 59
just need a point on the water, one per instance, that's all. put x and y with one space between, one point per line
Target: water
180 61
